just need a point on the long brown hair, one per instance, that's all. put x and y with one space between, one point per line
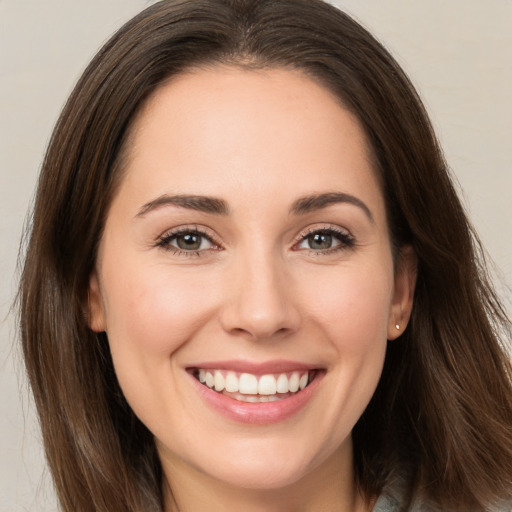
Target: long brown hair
442 414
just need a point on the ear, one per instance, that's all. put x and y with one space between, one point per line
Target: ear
95 306
403 294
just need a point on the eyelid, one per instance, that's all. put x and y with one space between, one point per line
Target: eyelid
347 240
315 228
203 231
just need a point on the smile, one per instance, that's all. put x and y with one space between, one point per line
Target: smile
248 387
256 393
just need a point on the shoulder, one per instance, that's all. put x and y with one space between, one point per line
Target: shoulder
393 500
390 502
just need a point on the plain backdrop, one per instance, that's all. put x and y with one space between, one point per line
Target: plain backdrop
457 52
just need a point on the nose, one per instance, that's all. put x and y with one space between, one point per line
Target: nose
259 300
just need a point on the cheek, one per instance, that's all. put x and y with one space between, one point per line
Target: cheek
151 314
352 312
352 305
155 310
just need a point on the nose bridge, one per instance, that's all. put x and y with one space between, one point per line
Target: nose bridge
259 301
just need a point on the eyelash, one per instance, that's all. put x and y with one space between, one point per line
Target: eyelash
345 239
166 239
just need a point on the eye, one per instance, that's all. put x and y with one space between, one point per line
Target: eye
187 241
190 242
325 240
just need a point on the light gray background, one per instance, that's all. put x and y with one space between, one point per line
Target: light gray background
457 52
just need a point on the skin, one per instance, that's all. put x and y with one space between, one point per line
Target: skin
260 291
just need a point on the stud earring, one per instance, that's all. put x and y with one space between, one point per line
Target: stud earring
397 327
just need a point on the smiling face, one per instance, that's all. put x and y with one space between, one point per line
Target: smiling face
248 238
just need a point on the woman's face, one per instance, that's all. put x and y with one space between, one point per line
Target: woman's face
248 247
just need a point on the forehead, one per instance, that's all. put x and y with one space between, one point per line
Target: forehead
222 130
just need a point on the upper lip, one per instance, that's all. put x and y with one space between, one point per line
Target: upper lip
255 368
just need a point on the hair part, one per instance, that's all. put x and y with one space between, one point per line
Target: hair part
442 414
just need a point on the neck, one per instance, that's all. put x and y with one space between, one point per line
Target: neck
328 487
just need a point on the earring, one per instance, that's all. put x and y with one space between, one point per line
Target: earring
397 327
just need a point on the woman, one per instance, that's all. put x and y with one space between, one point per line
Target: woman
250 284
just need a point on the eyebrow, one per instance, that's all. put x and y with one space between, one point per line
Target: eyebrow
192 202
318 201
218 206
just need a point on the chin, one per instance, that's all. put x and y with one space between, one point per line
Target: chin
270 464
259 474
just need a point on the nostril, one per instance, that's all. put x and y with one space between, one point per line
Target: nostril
261 333
259 304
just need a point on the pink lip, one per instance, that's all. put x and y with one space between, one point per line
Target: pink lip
263 368
257 413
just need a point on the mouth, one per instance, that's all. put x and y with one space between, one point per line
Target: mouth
256 393
249 387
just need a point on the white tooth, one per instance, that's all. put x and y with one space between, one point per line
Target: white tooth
303 381
231 383
248 384
251 398
263 399
210 381
202 376
273 398
282 383
267 385
294 382
219 381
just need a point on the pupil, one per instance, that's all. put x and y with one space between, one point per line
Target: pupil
320 241
189 242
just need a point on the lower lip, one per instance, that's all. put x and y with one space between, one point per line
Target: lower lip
258 413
